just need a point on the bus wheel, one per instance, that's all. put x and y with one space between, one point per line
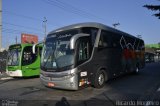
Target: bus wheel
100 79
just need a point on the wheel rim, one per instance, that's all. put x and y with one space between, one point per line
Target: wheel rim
101 79
137 70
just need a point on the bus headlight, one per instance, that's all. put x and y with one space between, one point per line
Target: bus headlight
69 76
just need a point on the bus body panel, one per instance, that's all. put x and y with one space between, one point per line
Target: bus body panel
15 73
67 79
33 69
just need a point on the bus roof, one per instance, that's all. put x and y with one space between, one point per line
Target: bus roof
94 25
25 44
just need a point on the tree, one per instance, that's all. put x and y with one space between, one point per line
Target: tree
154 8
159 44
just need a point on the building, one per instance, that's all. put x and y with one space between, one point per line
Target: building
152 52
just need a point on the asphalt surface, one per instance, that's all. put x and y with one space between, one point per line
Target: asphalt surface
142 89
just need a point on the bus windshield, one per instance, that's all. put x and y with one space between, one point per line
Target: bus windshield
56 51
13 57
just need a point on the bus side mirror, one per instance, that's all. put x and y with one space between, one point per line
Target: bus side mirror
34 49
74 39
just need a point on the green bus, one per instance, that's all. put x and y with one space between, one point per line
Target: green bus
22 62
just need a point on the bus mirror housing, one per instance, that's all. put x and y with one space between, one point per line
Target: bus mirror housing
74 39
34 47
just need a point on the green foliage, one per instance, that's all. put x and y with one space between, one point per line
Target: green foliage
154 8
153 45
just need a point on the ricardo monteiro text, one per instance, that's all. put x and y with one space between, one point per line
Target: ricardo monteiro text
137 103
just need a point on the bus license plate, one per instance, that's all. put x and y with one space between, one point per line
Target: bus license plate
50 84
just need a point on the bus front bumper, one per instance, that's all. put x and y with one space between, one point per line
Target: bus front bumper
69 82
17 73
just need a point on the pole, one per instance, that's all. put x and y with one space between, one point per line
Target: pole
45 27
16 39
0 24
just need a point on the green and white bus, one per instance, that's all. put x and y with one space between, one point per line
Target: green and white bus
22 62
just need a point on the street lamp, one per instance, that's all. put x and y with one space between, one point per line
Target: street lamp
45 27
115 24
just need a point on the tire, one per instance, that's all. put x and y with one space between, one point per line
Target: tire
100 79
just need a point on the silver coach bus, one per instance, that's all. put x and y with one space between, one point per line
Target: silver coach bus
79 55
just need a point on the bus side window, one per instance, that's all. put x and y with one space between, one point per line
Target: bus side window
105 39
83 51
116 40
28 56
92 31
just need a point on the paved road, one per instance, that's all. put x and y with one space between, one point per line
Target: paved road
128 89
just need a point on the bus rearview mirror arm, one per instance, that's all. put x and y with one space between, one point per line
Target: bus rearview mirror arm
34 47
74 39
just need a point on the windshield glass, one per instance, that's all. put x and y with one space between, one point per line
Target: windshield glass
56 51
14 57
28 57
